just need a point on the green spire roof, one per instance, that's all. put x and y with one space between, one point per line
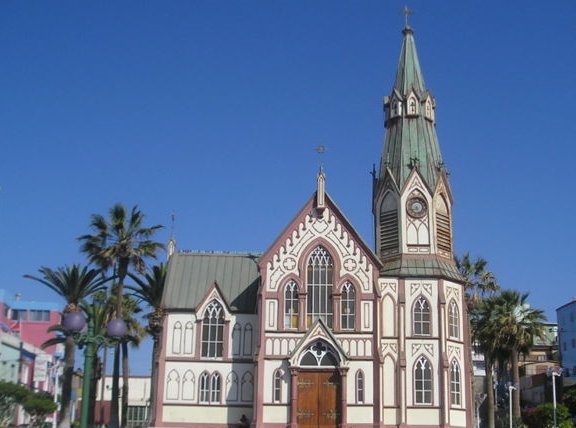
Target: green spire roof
411 140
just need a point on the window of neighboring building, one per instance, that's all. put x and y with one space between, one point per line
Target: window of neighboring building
573 343
455 386
319 283
136 416
421 317
423 381
359 386
348 306
453 320
38 315
213 330
291 305
19 315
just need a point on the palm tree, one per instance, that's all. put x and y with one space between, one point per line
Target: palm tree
519 324
478 282
487 338
73 283
149 290
119 243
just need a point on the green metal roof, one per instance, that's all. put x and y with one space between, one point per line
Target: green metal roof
411 141
192 274
406 266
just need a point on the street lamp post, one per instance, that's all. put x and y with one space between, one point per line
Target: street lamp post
554 372
511 388
75 322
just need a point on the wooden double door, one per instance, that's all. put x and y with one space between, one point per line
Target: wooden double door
319 397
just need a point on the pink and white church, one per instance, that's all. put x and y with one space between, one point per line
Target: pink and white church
322 330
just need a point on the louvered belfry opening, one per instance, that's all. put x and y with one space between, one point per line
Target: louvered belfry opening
388 226
443 229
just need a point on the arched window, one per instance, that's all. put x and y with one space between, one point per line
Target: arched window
172 385
360 386
423 381
188 385
215 388
291 305
248 339
236 339
319 282
213 330
188 330
455 386
277 386
388 225
232 386
177 338
247 388
453 320
421 317
204 396
412 106
348 306
443 227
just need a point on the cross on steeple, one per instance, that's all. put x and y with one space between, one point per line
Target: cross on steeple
407 12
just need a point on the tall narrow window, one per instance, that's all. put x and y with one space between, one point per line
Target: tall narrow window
232 386
188 330
455 387
359 386
248 339
188 385
213 330
172 385
277 387
453 320
236 339
177 338
388 225
348 306
319 282
247 387
291 305
215 388
443 227
423 381
204 396
421 317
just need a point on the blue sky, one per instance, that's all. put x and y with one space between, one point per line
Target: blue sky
212 110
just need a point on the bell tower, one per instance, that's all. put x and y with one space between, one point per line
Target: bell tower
412 202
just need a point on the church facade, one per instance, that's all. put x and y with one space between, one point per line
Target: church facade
322 330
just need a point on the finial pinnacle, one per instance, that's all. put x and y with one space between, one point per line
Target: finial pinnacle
407 12
320 150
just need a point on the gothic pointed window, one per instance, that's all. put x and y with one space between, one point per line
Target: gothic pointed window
455 385
188 335
412 109
232 386
188 385
423 381
360 387
421 317
319 283
247 387
443 226
248 339
291 305
172 385
277 386
204 395
215 388
388 225
213 330
177 338
348 310
453 320
236 339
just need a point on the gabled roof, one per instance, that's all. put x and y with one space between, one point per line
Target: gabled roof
192 274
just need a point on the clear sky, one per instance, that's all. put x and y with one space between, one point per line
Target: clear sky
212 109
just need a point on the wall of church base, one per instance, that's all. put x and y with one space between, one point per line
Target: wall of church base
219 416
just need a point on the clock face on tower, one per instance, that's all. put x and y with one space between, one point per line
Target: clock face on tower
416 207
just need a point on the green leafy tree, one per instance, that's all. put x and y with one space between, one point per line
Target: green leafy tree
39 405
569 399
72 283
11 395
119 243
518 324
543 416
149 289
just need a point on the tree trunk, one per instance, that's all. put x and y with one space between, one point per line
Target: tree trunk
154 376
490 393
125 379
68 372
114 417
516 412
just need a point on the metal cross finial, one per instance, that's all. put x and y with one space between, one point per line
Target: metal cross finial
407 12
320 150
